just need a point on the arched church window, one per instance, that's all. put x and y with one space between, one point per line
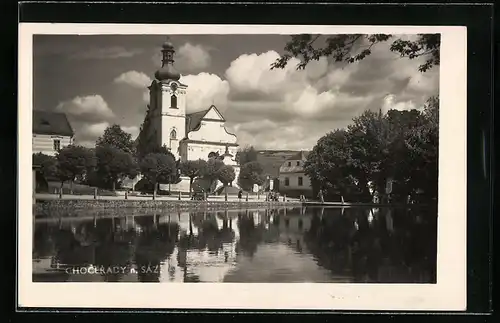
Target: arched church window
173 134
173 102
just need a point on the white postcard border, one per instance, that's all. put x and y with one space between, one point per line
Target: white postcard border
448 294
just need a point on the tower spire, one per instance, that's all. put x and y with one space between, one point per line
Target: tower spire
167 70
168 53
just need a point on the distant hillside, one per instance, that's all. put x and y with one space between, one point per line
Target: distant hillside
272 160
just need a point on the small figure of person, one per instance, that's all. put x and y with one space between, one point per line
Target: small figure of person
240 194
320 195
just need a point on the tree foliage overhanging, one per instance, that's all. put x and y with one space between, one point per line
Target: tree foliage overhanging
352 48
400 145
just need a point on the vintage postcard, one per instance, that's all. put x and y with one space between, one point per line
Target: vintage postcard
242 167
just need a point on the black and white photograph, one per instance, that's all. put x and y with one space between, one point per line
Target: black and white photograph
189 158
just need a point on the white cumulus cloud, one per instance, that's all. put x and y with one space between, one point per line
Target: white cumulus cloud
205 89
193 57
86 108
251 74
133 130
86 133
290 108
89 117
390 104
134 78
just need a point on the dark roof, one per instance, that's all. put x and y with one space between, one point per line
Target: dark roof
51 123
193 119
301 155
271 160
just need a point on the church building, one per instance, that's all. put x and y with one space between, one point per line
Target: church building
188 136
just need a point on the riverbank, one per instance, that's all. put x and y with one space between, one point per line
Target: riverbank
361 204
46 205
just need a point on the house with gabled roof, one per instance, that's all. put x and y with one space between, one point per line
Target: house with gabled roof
51 132
293 180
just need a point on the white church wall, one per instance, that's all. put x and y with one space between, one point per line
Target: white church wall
212 114
183 151
173 118
166 100
197 151
172 124
212 131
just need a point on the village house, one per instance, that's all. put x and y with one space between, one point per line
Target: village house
51 132
292 178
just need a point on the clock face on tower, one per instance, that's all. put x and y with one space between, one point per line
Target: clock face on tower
173 87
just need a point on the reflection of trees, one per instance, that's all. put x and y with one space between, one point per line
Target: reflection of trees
250 234
155 243
353 244
43 240
328 239
109 242
112 249
70 251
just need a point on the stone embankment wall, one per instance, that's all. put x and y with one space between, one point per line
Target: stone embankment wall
47 206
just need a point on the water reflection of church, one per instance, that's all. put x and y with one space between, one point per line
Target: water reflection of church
351 244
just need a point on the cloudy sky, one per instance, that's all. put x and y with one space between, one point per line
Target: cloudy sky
102 80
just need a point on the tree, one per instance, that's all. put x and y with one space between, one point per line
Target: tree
400 145
192 169
158 168
74 161
210 172
355 47
246 155
368 139
114 164
115 137
226 175
330 166
48 165
251 173
422 143
399 162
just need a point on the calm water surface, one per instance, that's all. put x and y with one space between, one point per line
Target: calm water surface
271 245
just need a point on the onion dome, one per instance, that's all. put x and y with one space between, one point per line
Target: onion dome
167 70
168 45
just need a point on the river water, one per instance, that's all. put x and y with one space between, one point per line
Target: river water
286 245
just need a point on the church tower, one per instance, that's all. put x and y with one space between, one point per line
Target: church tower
168 101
